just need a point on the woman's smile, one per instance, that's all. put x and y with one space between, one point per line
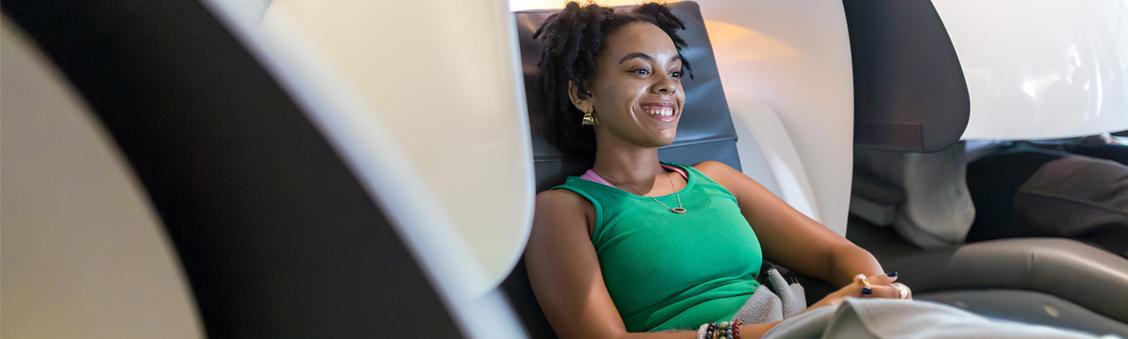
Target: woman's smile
663 111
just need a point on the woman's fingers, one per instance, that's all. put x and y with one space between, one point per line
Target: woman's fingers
881 291
903 291
883 279
878 286
880 279
860 279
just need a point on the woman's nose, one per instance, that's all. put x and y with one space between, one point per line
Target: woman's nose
665 85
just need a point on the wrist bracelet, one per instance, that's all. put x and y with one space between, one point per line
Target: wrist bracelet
702 330
723 330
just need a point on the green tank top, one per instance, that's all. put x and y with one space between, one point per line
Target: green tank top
668 271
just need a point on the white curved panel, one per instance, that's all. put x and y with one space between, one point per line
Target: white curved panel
421 100
793 56
441 75
768 155
1041 69
84 254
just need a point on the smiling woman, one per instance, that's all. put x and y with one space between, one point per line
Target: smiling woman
572 70
641 92
641 248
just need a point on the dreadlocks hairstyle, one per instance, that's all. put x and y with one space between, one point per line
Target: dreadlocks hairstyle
571 39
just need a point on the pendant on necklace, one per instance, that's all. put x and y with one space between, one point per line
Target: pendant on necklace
678 210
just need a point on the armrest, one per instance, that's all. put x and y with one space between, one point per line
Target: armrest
1071 270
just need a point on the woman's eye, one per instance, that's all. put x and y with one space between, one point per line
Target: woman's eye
641 71
676 74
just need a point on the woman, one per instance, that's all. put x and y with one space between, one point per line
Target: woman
637 245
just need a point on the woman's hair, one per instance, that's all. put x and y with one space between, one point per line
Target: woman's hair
572 38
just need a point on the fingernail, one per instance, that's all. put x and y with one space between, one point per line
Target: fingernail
866 291
891 274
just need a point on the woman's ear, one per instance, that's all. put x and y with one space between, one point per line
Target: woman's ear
580 99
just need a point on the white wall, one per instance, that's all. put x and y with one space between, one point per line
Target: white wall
1039 69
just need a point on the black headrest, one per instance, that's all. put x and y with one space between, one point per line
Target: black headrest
705 131
909 89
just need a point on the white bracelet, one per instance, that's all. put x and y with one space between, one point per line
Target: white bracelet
701 331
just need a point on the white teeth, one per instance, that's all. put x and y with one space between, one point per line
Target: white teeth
662 112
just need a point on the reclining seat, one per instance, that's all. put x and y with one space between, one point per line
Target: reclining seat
912 106
705 132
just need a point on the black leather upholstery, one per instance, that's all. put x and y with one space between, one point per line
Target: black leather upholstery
909 88
705 131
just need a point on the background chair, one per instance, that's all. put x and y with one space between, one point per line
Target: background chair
912 105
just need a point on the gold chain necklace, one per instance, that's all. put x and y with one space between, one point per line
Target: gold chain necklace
676 210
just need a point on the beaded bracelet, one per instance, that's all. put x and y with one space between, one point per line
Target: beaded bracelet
723 330
706 331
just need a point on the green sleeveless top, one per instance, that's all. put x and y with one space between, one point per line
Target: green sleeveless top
669 271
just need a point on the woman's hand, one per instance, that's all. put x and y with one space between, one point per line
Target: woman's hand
879 286
883 286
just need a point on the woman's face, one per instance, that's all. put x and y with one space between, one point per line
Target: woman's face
636 92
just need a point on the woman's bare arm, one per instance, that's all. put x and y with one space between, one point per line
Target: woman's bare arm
789 237
565 275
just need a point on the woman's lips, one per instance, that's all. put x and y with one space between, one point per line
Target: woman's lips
663 111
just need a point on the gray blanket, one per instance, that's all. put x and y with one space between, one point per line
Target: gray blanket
886 318
876 318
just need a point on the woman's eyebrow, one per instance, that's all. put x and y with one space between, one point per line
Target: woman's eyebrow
636 55
644 56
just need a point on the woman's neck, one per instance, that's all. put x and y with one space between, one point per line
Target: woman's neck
622 163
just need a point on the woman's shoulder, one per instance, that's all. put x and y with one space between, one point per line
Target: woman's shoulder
719 172
559 198
715 169
712 165
561 206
